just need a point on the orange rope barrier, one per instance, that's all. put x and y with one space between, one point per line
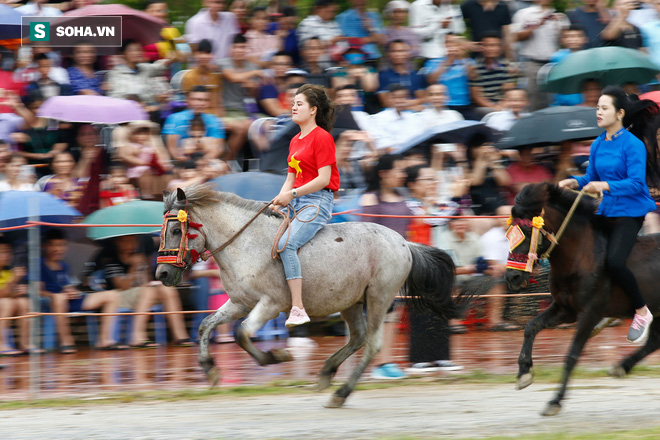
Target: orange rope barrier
192 312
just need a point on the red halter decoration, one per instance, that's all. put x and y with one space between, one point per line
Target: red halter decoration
177 257
514 234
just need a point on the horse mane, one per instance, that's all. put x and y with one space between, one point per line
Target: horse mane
202 195
533 197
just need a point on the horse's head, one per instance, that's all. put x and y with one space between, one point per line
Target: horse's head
181 241
528 239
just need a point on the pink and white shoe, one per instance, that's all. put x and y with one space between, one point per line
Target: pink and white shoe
639 330
297 316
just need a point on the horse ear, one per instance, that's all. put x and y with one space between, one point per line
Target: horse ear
166 194
180 195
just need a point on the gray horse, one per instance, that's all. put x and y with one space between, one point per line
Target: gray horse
347 267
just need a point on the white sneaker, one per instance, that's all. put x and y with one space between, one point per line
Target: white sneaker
297 316
422 368
447 366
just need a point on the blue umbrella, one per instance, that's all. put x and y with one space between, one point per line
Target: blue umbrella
452 133
16 207
10 23
254 185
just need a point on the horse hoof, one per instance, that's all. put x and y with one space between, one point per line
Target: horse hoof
552 409
281 355
213 376
324 382
335 402
524 381
616 371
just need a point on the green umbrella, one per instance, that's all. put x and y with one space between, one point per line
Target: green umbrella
137 212
609 65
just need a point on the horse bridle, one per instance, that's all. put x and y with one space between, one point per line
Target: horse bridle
177 257
515 236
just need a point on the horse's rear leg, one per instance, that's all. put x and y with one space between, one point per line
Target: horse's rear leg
262 312
652 344
374 342
550 317
586 324
354 317
227 313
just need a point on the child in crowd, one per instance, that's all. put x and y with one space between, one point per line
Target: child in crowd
210 294
13 302
572 39
197 142
260 44
15 176
146 158
59 288
116 188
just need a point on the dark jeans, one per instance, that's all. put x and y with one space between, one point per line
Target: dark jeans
621 233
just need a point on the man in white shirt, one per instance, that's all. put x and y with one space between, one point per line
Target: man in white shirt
393 127
496 251
432 20
537 29
213 24
514 102
321 24
438 114
36 8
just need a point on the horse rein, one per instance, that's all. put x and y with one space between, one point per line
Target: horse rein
514 234
176 257
564 224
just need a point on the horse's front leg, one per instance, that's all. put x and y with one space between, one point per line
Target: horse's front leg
586 323
264 311
550 317
227 313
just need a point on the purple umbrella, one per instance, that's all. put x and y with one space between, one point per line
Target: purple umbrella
136 25
92 109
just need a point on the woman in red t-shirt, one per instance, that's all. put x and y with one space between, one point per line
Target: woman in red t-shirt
310 183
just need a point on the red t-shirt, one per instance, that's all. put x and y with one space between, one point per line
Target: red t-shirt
309 154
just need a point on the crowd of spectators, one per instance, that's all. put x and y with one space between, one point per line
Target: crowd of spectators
217 95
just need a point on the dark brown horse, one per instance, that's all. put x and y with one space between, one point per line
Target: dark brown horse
580 288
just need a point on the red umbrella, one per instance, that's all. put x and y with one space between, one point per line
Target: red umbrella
653 96
136 25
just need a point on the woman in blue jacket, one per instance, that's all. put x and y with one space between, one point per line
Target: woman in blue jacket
619 169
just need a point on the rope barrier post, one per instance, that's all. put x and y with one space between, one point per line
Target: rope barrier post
34 271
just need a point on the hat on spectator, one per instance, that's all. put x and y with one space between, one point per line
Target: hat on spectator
296 72
396 5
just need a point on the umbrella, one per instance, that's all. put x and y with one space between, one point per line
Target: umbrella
16 207
552 126
254 185
135 25
452 133
653 96
10 23
136 212
92 109
609 65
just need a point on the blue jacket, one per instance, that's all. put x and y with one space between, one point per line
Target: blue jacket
621 163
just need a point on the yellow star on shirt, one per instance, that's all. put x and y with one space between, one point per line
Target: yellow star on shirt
295 164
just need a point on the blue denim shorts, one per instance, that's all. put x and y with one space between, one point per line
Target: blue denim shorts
303 228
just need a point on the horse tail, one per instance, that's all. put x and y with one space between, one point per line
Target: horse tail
431 280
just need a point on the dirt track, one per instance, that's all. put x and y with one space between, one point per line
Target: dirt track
435 410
